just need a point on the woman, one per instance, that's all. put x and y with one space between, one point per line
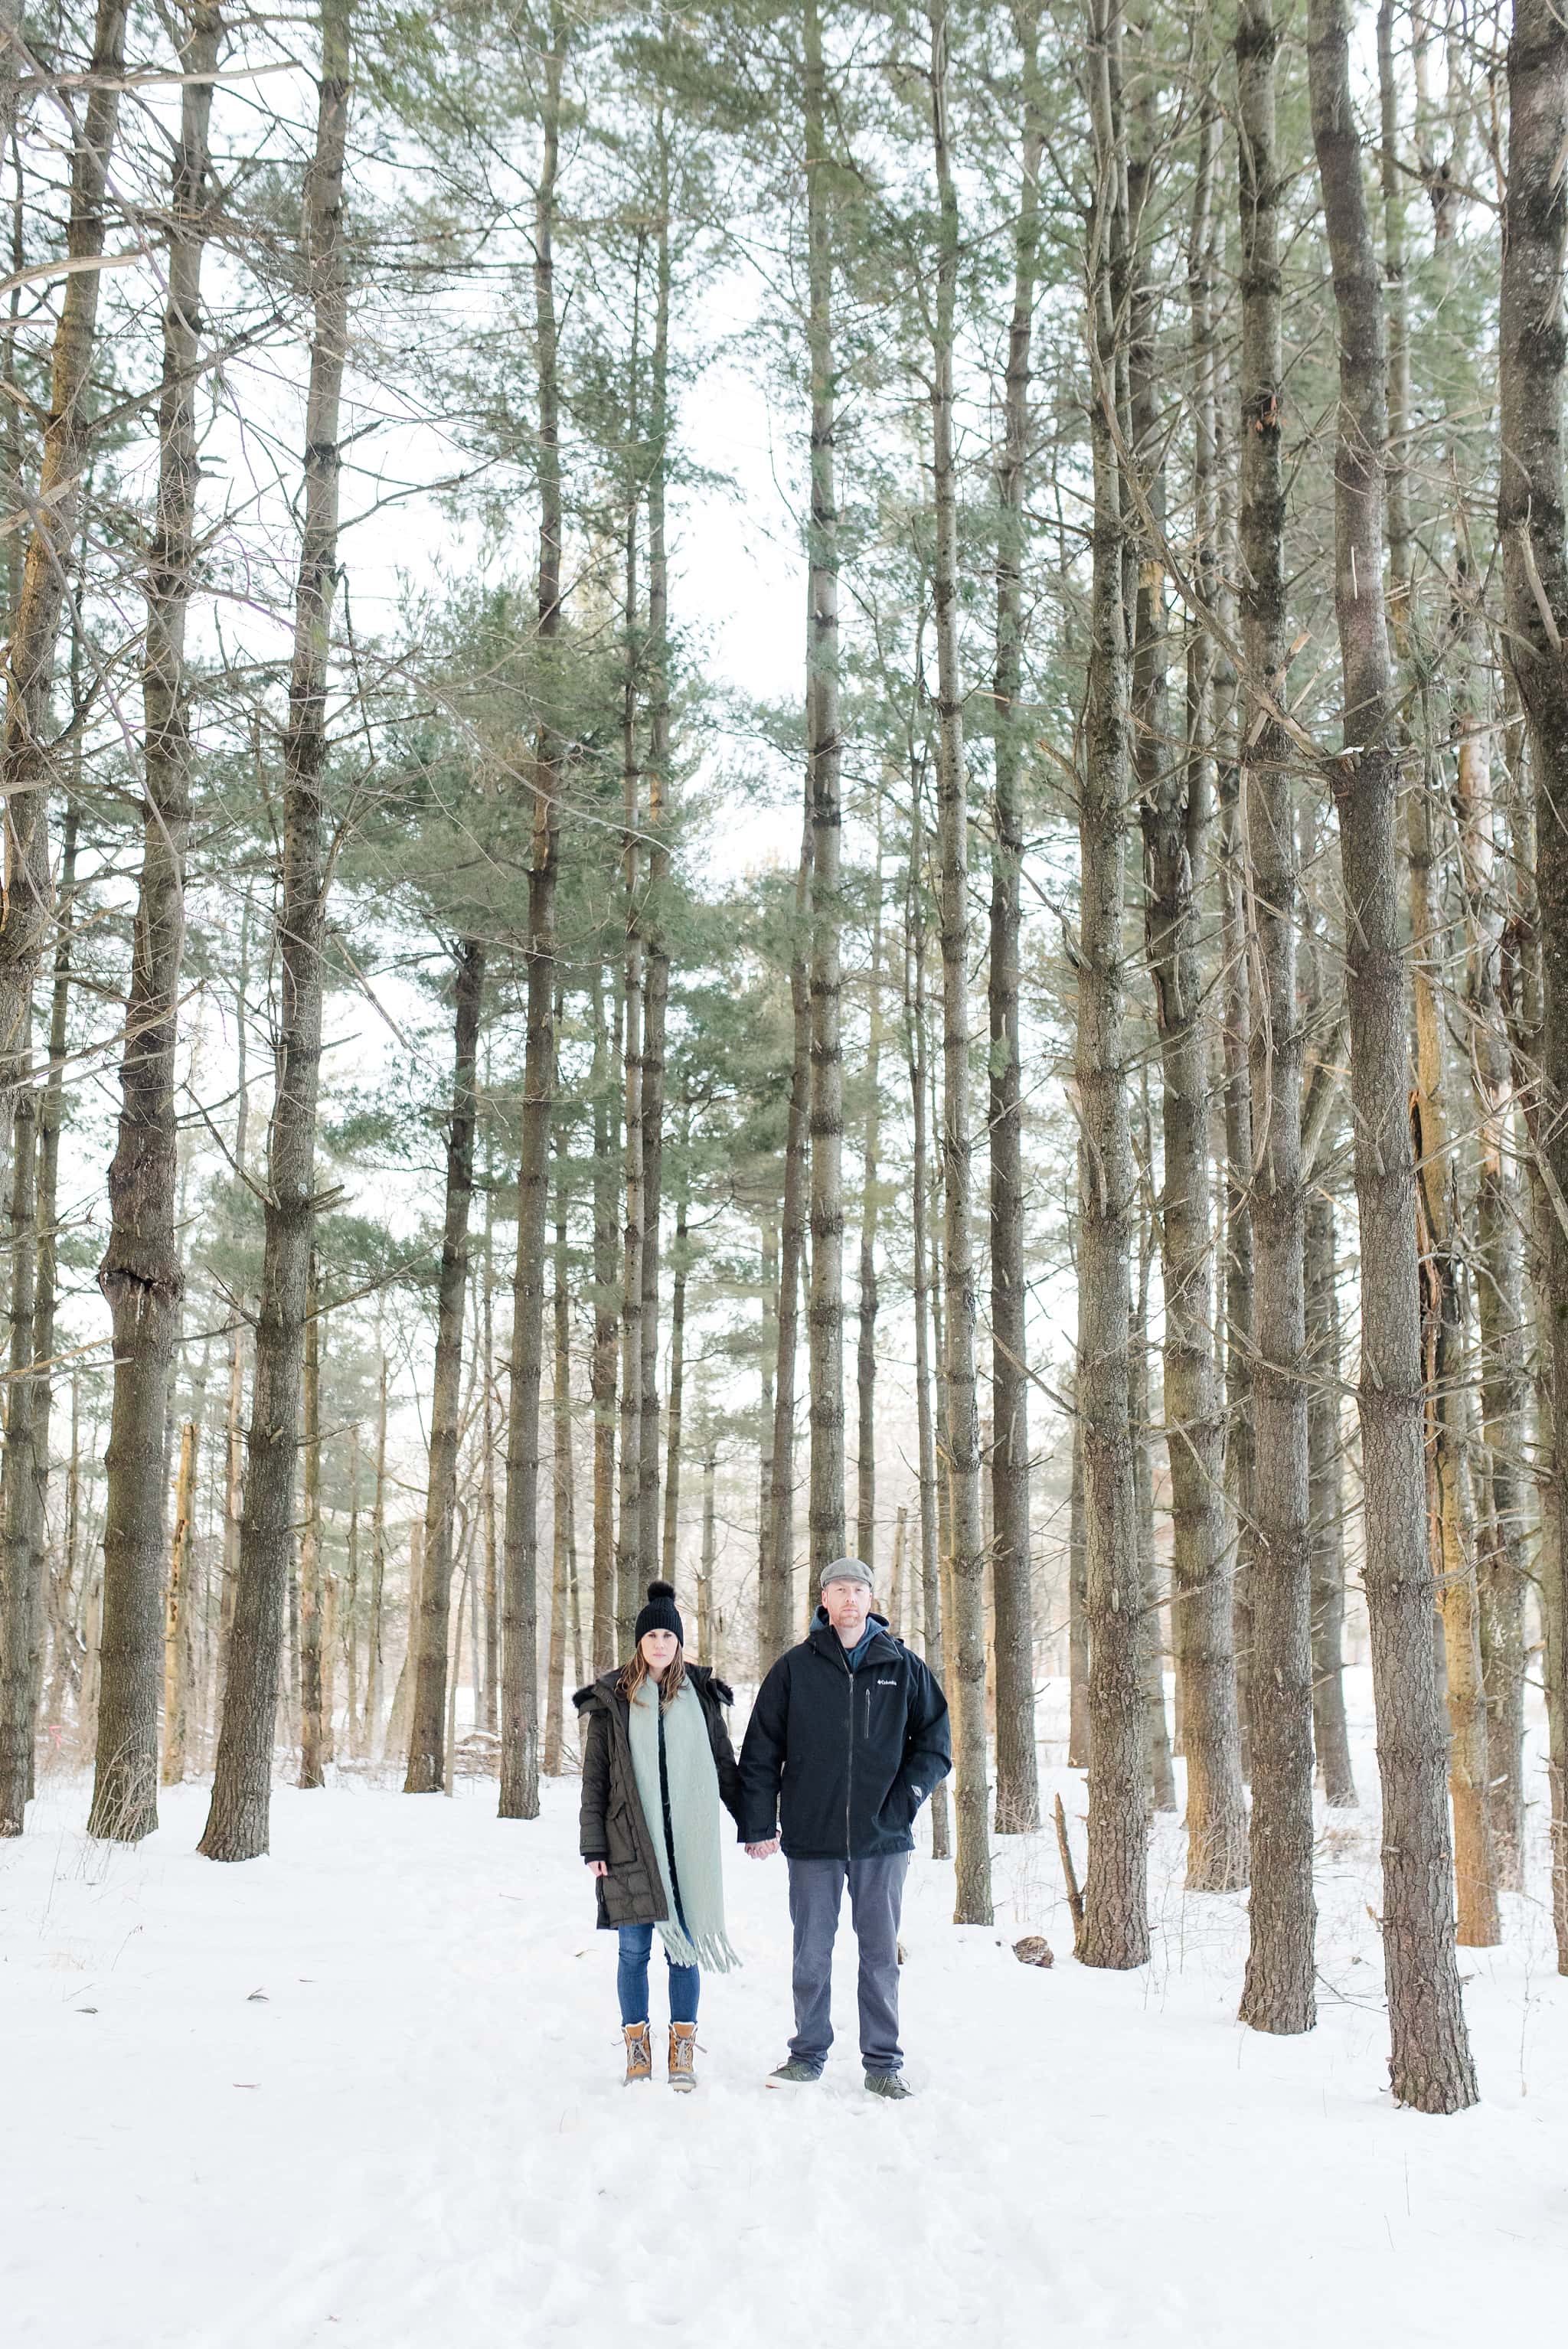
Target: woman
656 1763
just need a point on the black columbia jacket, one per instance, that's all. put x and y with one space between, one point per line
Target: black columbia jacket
847 1757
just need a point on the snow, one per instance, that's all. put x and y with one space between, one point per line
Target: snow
367 2093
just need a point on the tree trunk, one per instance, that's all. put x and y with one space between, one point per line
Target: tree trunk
351 1626
560 1515
707 1610
1116 1892
373 1627
1077 1610
1144 561
775 1603
925 1431
51 1105
26 768
177 1616
628 1543
1279 1992
967 1672
141 1275
1018 1774
235 1450
633 995
314 1730
866 1346
895 1600
1430 2066
1241 1476
825 1315
1503 1563
1331 1737
1162 1769
21 1544
237 1823
1176 818
1535 573
768 1363
426 1772
657 912
26 761
519 1618
677 1397
603 1373
1443 1330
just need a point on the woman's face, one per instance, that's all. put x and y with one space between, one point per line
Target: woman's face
659 1651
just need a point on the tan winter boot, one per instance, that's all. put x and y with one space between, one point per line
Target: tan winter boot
683 2054
639 2052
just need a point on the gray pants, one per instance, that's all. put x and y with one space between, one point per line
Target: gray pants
876 1897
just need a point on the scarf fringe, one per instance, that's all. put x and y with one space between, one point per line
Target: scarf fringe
712 1951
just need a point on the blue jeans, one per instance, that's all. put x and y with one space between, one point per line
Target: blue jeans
632 1978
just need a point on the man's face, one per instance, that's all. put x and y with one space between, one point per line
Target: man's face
847 1604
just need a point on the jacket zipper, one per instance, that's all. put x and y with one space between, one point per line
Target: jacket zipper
850 1779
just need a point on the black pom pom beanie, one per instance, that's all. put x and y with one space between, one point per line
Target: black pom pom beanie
660 1614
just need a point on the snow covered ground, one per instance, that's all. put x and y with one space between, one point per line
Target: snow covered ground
365 2092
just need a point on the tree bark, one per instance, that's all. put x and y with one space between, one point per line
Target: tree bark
560 1515
1279 1994
237 1822
603 1373
870 1187
141 1276
775 1603
425 1772
520 1616
1331 1736
1115 1891
373 1627
21 1543
26 761
1430 2067
27 769
1077 1610
1161 1767
656 1001
177 1617
51 1106
628 1540
922 1283
966 1681
1535 574
314 1720
1176 818
1017 1770
825 1314
678 1393
1504 1562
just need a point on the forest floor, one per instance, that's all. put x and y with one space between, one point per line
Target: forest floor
365 2092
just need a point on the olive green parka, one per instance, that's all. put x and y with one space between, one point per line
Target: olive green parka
611 1827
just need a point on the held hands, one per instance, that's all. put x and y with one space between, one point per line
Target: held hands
762 1850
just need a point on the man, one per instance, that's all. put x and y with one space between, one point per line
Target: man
851 1729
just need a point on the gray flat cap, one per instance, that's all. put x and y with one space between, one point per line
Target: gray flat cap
846 1569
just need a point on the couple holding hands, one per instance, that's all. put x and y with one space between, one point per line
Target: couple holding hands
846 1738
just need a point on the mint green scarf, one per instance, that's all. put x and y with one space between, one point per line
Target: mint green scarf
693 1822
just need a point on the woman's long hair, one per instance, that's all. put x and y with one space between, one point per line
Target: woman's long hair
633 1674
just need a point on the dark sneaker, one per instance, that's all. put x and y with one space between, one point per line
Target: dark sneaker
888 2084
793 2075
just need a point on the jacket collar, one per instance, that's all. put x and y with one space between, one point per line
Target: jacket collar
827 1642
